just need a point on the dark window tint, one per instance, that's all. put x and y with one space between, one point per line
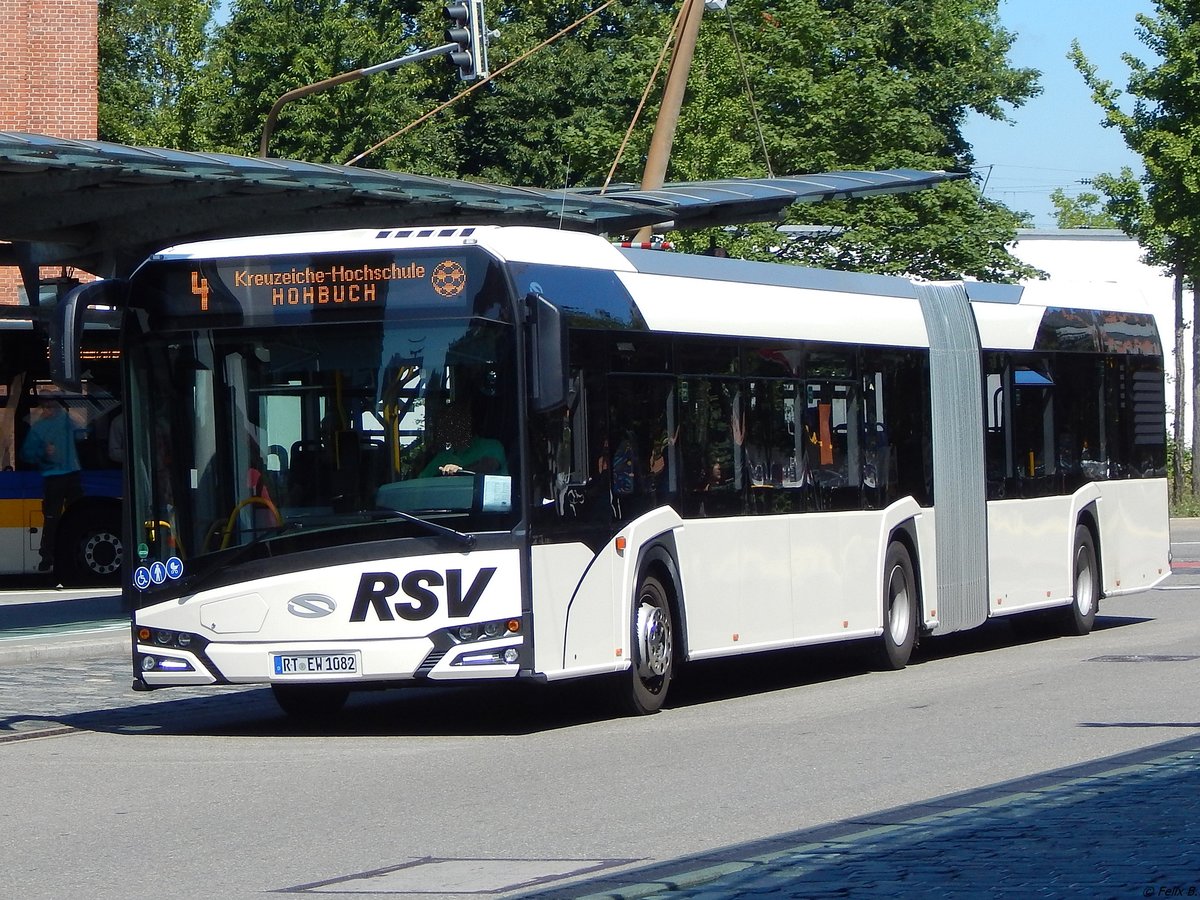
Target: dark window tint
643 431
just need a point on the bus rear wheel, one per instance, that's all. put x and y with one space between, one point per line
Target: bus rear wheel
652 664
900 608
310 701
1079 617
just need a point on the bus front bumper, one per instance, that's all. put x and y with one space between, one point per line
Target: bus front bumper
407 659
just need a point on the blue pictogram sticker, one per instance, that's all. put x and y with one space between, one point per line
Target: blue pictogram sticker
174 568
141 578
158 572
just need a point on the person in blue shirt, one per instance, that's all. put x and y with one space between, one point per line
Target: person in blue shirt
50 447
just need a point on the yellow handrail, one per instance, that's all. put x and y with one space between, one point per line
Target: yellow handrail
249 501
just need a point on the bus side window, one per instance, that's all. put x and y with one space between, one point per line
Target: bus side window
878 455
643 435
834 438
710 445
570 466
901 404
1033 434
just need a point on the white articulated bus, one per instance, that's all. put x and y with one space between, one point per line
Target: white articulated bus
379 458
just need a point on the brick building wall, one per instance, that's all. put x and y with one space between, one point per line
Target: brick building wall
47 78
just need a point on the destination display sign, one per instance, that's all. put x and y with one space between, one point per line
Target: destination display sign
318 286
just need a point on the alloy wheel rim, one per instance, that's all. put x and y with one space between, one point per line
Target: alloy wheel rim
899 609
654 642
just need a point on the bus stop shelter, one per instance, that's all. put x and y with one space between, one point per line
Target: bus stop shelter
104 207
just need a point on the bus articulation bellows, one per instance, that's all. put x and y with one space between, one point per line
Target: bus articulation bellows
378 458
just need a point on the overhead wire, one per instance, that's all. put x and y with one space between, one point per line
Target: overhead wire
650 82
645 94
481 82
749 92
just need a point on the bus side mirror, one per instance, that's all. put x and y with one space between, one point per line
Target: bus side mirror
66 328
548 354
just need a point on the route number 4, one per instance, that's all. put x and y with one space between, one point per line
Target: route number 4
200 289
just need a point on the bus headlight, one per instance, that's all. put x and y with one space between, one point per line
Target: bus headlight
151 663
163 637
465 634
507 656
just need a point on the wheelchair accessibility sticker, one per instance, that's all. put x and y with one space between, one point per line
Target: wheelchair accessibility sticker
157 573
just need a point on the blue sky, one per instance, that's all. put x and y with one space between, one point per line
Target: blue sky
1056 139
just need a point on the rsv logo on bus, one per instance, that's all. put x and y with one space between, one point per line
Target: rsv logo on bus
375 589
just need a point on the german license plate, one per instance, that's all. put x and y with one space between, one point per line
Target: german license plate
310 664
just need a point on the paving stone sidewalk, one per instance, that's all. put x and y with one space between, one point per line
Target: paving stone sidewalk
54 696
1124 827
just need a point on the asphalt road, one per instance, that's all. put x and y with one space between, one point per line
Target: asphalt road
1004 761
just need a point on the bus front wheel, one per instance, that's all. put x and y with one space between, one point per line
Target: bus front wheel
652 663
1079 617
900 608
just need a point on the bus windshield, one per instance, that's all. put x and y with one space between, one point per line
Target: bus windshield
321 434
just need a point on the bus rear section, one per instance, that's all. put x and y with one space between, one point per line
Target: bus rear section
1074 412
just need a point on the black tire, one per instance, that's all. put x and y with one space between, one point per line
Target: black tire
90 550
901 611
1079 617
652 653
310 701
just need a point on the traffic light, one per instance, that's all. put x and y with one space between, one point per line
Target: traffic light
468 32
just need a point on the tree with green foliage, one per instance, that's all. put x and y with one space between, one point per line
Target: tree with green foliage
150 54
837 84
878 85
1084 210
1162 209
269 47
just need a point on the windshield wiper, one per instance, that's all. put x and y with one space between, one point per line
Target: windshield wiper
375 516
388 515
